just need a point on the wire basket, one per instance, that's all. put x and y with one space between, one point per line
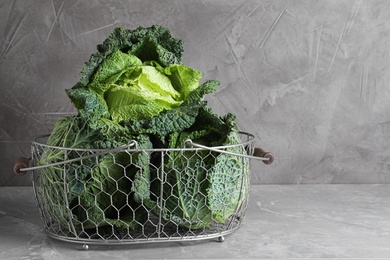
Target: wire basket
127 194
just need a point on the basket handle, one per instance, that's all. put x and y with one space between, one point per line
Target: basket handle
259 154
21 165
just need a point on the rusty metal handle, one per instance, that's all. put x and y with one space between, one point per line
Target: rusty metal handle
258 152
21 163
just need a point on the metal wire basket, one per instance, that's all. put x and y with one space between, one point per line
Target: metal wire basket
127 194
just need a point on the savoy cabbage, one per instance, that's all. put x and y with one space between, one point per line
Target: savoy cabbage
135 88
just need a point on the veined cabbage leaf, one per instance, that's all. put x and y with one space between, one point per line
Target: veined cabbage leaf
154 43
131 90
100 190
204 186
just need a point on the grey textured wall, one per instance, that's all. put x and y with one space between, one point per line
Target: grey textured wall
308 78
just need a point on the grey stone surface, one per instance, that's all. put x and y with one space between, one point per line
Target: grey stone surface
308 78
282 222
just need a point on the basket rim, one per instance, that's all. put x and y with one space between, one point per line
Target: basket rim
130 146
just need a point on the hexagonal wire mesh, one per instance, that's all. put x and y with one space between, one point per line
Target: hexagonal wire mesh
130 195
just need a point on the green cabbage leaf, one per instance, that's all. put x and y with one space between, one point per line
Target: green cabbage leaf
204 186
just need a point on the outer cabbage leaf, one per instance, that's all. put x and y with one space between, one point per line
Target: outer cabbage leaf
229 177
152 43
116 185
198 94
90 105
101 191
149 49
194 192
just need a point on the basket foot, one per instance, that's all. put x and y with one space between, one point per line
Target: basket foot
221 239
85 247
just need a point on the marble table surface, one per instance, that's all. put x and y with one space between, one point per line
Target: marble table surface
282 222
